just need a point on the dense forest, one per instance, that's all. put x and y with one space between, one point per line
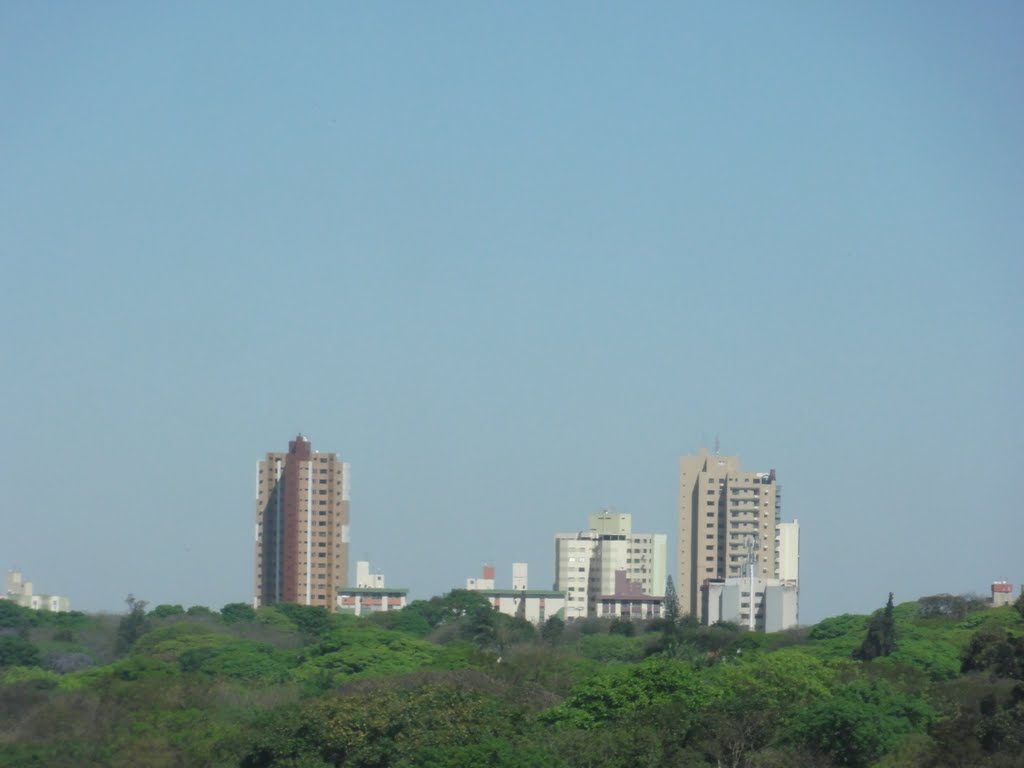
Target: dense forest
450 683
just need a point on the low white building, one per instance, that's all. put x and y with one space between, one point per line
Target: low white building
761 605
1002 593
370 595
534 605
19 591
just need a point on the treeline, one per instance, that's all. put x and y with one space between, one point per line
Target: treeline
448 682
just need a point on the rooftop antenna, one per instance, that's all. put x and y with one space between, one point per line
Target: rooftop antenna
716 445
751 544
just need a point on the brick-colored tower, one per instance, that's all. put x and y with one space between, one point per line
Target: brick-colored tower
301 526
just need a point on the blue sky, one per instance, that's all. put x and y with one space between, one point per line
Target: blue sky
510 261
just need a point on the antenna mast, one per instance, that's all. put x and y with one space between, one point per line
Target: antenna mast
751 542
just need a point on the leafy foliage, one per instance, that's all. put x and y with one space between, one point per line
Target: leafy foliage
553 630
838 627
287 686
310 620
950 606
164 611
618 691
385 725
17 652
133 625
235 612
995 650
860 722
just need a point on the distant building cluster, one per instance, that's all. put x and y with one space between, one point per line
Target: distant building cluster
737 560
19 591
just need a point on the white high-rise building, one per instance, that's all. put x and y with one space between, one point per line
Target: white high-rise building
609 570
787 551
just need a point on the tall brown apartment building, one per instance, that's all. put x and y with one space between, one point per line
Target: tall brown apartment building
723 513
301 526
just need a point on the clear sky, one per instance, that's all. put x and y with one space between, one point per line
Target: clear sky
510 261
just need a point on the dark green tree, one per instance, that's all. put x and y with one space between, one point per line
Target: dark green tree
13 616
622 627
512 630
859 723
235 612
481 627
671 602
132 626
164 611
1019 605
552 630
992 649
881 637
17 652
405 620
451 607
312 620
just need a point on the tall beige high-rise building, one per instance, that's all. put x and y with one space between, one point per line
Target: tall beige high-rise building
301 526
723 513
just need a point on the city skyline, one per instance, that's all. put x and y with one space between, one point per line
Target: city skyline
728 467
511 263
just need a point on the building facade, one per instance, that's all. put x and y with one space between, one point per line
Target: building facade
534 605
588 565
760 605
369 595
19 591
722 512
628 601
787 551
302 518
1002 593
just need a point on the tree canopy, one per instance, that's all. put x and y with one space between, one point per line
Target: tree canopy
451 682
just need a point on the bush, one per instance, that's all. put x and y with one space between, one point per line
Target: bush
846 625
62 662
164 611
235 612
17 652
860 722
